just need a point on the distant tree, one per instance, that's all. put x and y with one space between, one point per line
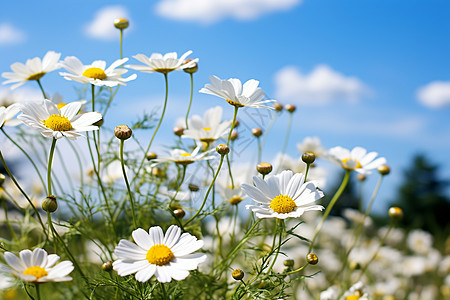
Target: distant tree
422 196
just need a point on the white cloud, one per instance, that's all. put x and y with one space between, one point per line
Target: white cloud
435 94
102 26
323 85
11 35
211 11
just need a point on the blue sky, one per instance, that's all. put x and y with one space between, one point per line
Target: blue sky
370 73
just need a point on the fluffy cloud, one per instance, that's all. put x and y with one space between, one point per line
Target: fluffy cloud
435 94
208 11
10 35
102 26
323 85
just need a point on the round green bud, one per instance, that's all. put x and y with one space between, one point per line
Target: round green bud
178 131
396 213
123 132
290 108
288 263
190 70
121 23
50 204
237 274
264 168
384 170
257 132
312 259
223 149
107 266
308 157
151 156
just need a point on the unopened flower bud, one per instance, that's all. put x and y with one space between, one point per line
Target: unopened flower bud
123 132
151 155
158 172
2 179
237 274
384 170
361 177
121 23
235 200
278 106
288 262
99 123
49 204
236 123
290 108
107 266
179 213
312 259
190 70
308 157
178 131
193 187
355 265
223 149
234 135
396 213
264 168
257 132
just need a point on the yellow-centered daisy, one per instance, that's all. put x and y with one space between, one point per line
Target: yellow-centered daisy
162 63
95 73
282 196
58 120
166 257
355 160
37 266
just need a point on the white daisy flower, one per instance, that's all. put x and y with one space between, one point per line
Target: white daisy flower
33 69
209 128
7 115
235 93
356 160
166 257
184 158
54 122
95 73
356 291
282 196
163 63
37 266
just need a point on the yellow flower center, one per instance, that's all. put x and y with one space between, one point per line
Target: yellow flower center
358 164
61 105
36 76
352 297
185 154
206 128
282 204
164 70
37 272
234 103
236 200
58 123
95 73
159 255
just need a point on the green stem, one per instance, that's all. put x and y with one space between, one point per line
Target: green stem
279 244
207 193
130 195
93 96
306 172
13 234
236 108
28 157
190 100
179 185
329 207
298 270
23 193
163 289
157 127
38 294
121 44
42 89
259 149
49 167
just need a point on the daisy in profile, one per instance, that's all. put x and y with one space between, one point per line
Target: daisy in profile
56 122
236 94
33 69
95 73
355 160
282 196
209 128
163 63
184 158
37 266
7 115
166 257
311 145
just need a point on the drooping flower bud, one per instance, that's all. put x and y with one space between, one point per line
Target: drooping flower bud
277 106
290 108
178 131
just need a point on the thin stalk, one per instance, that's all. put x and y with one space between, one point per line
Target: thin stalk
28 157
358 231
190 100
163 289
259 149
42 89
286 140
279 244
298 270
13 234
157 127
329 207
183 174
23 193
207 193
49 167
236 108
130 195
38 294
93 96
